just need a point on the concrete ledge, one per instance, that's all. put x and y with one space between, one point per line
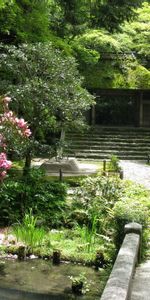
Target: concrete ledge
119 282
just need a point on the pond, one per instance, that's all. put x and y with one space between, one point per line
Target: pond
40 280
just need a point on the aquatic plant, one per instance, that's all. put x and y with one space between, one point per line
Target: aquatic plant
28 232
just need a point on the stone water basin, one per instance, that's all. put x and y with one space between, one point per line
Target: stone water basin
40 280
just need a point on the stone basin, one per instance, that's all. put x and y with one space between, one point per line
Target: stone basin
69 166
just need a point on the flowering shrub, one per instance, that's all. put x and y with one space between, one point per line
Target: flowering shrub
4 165
11 127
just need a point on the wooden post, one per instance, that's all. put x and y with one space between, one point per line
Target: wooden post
121 174
104 165
56 257
60 175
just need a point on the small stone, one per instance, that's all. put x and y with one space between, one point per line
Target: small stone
2 236
11 239
32 256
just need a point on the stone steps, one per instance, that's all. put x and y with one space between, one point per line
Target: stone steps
101 143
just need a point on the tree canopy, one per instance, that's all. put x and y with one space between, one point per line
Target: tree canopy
118 60
45 86
74 16
24 21
34 20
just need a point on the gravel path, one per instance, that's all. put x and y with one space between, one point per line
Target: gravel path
136 171
139 173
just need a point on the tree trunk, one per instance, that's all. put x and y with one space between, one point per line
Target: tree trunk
62 139
27 166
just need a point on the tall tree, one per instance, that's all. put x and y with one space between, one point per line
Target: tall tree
24 21
76 15
46 88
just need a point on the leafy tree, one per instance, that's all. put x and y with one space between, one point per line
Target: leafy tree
46 88
135 35
101 60
116 60
69 18
24 21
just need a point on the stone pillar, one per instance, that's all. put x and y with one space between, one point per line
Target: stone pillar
133 228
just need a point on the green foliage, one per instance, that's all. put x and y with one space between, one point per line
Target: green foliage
28 233
105 69
97 196
138 34
47 89
118 60
133 207
69 18
61 44
107 204
113 164
24 21
59 97
88 235
47 200
3 3
140 77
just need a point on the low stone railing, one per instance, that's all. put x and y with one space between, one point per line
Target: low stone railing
119 282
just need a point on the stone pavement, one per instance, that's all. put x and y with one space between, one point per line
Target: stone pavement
141 282
140 173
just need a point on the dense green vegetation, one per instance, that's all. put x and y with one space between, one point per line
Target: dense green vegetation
91 221
45 49
87 30
46 199
47 90
116 60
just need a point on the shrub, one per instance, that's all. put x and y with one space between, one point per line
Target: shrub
97 196
133 207
114 164
47 199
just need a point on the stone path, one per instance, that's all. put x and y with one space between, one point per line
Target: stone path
140 173
141 283
137 171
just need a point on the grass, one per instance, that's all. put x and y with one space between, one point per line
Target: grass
74 246
28 233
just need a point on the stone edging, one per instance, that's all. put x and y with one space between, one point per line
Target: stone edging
119 282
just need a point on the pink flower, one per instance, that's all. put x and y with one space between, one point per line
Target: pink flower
21 123
4 163
6 99
27 132
3 174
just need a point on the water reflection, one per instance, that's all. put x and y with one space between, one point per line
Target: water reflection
40 280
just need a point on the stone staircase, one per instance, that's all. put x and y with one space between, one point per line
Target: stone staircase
102 142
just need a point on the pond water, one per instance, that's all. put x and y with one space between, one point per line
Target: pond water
40 280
